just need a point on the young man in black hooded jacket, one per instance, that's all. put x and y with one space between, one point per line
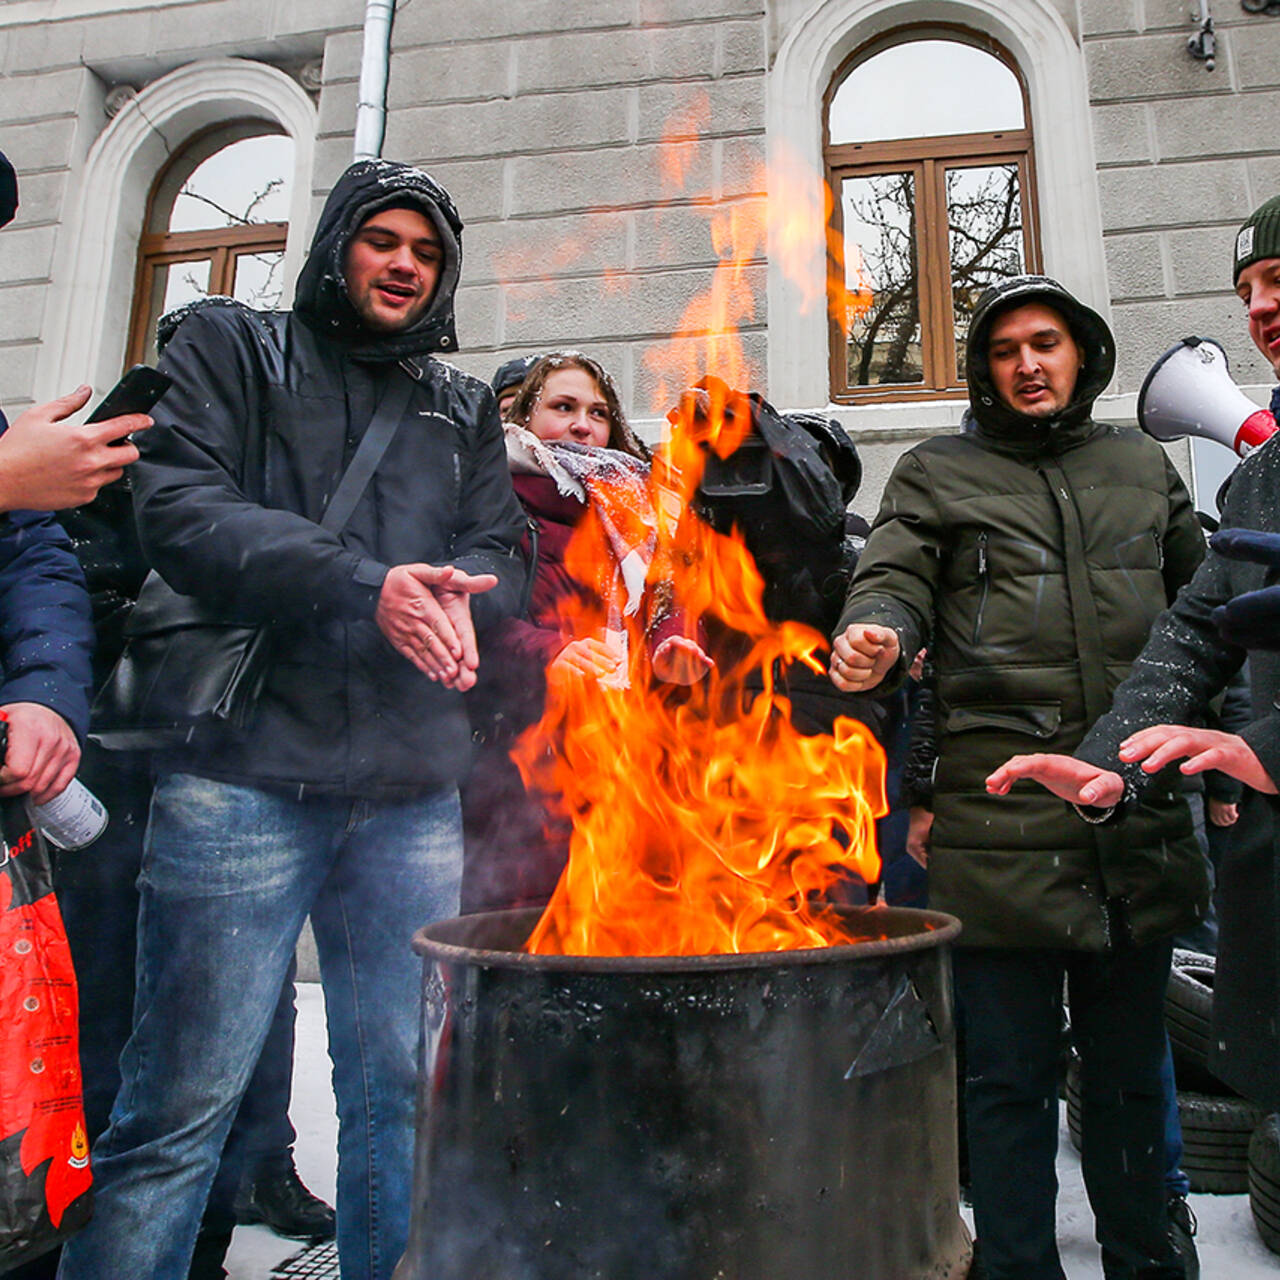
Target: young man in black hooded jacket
339 799
1032 553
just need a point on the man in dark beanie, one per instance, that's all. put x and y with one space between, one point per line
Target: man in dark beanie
338 799
1034 550
1220 619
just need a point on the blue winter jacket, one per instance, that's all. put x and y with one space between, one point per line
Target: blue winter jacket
46 634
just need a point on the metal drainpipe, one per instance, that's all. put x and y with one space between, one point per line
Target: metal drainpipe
371 110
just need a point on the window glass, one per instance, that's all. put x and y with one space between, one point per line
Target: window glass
926 88
984 223
259 279
880 268
245 182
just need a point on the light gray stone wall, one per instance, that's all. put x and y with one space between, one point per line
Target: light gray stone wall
1184 155
557 126
56 75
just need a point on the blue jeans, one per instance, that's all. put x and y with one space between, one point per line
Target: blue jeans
229 874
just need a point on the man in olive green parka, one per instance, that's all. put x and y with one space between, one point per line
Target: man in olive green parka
1032 552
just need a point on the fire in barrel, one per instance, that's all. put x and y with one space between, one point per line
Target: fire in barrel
695 1064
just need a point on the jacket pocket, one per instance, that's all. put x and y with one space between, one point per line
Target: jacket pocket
1036 719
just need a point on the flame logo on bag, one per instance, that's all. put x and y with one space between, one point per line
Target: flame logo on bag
79 1157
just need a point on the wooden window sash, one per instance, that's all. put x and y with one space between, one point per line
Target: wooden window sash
220 246
928 160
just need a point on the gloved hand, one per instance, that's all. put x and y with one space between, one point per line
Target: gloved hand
1251 620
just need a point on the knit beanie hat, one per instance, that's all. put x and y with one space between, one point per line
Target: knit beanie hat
1259 237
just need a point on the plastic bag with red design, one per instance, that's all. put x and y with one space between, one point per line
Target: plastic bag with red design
44 1152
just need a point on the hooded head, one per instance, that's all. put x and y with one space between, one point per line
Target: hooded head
997 414
323 303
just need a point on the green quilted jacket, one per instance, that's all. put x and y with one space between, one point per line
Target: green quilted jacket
1032 558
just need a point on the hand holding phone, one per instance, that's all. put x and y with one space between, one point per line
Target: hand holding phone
137 392
47 464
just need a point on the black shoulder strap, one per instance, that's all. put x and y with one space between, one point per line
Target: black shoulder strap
374 444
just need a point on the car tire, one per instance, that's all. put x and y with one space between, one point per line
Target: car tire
1188 1012
1216 1132
1264 1181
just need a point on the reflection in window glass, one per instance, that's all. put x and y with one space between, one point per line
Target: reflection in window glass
244 183
926 88
880 265
984 219
259 279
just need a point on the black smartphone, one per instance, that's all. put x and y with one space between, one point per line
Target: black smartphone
136 392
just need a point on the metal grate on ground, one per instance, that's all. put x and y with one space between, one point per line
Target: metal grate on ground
315 1262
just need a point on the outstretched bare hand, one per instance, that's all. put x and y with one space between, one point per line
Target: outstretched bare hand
1073 780
1198 749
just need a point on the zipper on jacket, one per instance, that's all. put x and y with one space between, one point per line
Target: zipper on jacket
1155 533
985 579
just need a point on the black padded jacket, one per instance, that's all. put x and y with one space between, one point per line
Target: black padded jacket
342 712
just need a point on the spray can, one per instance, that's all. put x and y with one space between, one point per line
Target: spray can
71 820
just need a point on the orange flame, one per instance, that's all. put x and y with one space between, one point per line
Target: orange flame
702 821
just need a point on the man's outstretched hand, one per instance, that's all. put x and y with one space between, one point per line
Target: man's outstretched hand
1198 749
1072 779
424 611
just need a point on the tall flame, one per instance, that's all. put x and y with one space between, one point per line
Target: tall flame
702 821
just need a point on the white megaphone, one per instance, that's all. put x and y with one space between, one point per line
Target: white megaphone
1189 392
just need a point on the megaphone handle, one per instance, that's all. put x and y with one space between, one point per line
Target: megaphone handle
1256 428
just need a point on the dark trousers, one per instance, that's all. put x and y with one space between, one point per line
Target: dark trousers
1012 1004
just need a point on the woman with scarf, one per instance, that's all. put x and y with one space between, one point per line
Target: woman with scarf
573 459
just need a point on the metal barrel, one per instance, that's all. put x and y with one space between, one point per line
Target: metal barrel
746 1117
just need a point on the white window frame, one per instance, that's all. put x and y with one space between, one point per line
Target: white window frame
810 54
96 254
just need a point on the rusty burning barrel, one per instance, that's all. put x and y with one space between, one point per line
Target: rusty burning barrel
737 1117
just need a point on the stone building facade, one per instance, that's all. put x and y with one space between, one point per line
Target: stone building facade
602 152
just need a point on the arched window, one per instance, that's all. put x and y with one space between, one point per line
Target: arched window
217 223
928 155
